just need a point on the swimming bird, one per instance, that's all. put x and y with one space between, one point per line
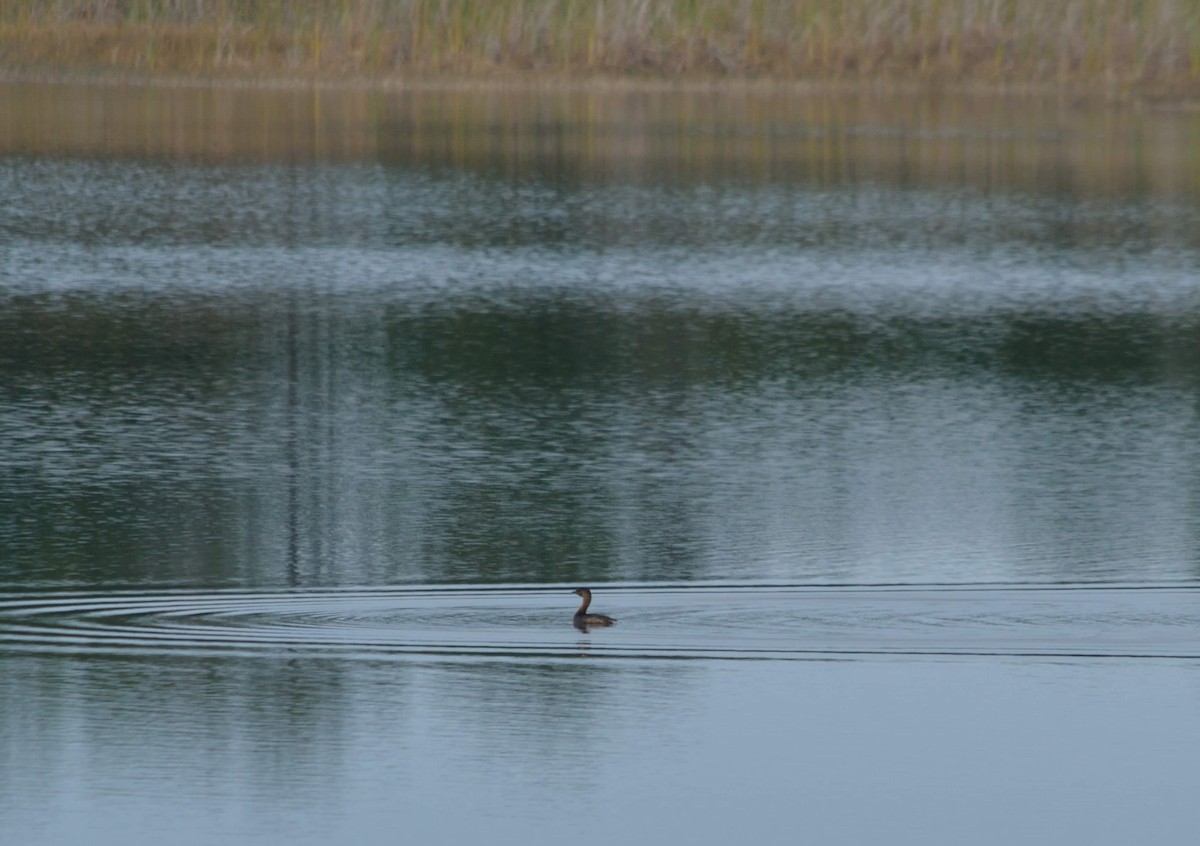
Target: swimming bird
582 618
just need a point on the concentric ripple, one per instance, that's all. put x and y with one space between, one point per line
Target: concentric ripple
710 621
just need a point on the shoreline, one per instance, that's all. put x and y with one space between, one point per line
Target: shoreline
595 83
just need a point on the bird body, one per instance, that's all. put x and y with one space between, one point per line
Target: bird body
582 618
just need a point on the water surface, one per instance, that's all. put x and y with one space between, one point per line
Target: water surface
874 420
775 622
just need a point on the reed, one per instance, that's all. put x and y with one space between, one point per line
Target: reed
1114 42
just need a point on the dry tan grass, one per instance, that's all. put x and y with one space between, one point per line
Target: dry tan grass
1129 43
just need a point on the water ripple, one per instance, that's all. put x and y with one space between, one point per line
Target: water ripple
757 621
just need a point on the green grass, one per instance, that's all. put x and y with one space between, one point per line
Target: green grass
1114 42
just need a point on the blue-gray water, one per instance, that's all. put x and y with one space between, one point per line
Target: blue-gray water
875 424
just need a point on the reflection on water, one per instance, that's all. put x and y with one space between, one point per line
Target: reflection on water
365 374
309 419
309 750
1044 145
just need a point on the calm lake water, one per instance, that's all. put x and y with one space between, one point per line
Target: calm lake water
875 420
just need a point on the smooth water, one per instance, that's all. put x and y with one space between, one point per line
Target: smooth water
874 421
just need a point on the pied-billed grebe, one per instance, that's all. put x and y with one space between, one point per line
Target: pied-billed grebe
582 618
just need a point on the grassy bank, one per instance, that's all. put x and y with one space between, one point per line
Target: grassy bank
1152 45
